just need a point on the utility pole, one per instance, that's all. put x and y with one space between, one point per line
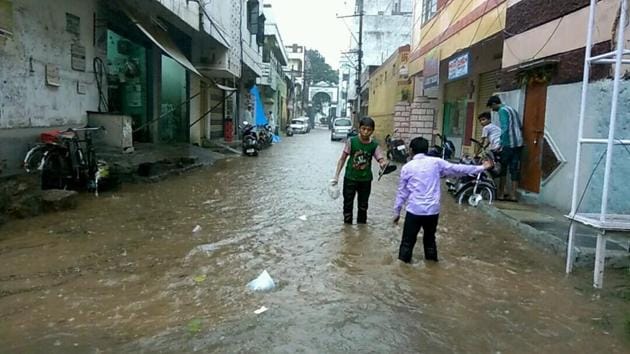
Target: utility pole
360 58
359 52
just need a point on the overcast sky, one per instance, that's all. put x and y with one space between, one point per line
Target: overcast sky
314 24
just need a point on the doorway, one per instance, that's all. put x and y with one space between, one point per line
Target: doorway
533 136
173 124
127 83
455 113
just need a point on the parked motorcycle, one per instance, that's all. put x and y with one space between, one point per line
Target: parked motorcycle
445 150
249 140
265 136
289 130
473 189
67 160
396 149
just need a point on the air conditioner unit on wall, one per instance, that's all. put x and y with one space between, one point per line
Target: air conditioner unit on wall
212 61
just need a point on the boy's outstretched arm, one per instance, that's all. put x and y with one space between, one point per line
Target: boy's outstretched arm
455 170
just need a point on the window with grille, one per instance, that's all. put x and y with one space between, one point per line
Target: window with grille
429 8
253 12
396 7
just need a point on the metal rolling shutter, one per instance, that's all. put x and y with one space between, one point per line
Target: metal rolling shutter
216 116
487 87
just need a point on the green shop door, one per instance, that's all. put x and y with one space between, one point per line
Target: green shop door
127 83
173 124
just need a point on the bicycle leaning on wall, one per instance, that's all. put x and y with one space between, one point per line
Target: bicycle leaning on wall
66 161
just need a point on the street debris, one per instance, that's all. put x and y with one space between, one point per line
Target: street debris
261 310
303 218
196 229
262 283
333 191
194 326
199 278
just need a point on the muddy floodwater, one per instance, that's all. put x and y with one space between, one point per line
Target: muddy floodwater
126 273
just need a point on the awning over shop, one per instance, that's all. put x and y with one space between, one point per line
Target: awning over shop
224 88
160 37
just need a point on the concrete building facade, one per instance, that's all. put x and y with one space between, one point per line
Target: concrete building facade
543 58
389 84
165 68
295 70
386 27
272 83
455 60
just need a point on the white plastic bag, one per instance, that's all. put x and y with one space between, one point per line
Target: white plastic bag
333 190
262 283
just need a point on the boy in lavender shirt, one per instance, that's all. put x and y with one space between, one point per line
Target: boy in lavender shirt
419 186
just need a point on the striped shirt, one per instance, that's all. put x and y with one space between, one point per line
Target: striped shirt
511 127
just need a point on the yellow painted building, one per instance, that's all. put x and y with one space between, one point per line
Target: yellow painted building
389 84
462 43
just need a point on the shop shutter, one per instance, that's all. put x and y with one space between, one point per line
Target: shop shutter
487 87
216 116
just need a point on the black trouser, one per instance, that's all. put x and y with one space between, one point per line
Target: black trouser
413 223
350 188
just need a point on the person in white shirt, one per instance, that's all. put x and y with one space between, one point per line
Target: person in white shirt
272 122
491 134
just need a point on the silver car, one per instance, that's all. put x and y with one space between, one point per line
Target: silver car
300 125
340 128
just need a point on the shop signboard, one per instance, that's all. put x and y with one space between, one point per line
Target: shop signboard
459 66
431 70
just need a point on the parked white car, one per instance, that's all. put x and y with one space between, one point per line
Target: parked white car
340 128
300 125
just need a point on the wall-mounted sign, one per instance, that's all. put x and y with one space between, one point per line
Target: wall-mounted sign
73 24
77 60
459 66
431 70
52 75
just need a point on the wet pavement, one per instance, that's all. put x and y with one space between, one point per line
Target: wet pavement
126 273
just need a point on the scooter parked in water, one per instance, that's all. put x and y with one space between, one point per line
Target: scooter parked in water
396 149
250 140
473 189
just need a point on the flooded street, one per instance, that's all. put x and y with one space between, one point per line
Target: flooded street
126 273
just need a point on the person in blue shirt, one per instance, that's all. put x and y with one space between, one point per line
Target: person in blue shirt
511 147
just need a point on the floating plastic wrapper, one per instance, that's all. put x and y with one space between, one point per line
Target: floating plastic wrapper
333 191
262 283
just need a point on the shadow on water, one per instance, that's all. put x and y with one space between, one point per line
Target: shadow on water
125 273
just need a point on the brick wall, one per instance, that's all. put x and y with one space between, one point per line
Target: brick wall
415 119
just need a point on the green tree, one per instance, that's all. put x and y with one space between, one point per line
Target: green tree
318 70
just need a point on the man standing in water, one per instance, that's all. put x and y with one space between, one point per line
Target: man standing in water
419 187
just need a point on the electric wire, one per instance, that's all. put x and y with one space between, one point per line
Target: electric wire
472 39
436 17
